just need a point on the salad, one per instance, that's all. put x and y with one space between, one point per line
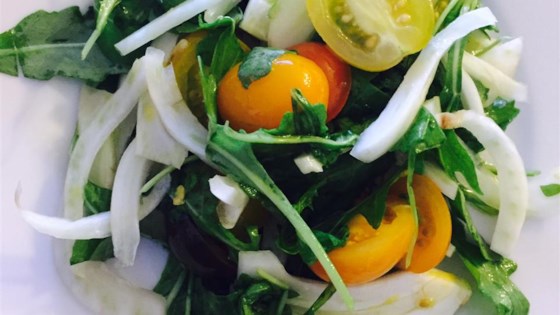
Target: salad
251 202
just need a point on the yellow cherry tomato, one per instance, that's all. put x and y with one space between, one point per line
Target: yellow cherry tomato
267 99
434 229
373 35
370 253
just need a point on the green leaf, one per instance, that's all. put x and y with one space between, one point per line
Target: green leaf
550 189
94 250
106 7
455 158
328 241
257 64
503 112
321 300
424 134
373 207
96 199
451 93
490 270
49 44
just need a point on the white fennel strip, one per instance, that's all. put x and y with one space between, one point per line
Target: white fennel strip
445 183
173 111
505 56
214 13
513 189
117 108
153 140
125 203
94 226
401 110
494 79
469 94
165 22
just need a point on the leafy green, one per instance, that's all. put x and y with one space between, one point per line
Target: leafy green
424 134
455 158
106 7
96 199
305 118
503 112
220 49
451 93
490 270
49 44
257 64
329 242
550 189
94 250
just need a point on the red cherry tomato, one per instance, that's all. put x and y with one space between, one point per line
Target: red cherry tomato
337 72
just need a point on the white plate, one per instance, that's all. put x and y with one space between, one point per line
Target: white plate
37 121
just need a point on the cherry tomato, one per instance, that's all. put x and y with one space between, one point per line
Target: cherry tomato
337 72
370 253
373 35
434 230
266 100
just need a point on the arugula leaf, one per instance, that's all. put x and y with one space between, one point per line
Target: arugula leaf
94 249
321 300
503 112
105 9
257 64
455 158
49 44
365 99
550 189
329 242
424 134
490 270
96 199
451 93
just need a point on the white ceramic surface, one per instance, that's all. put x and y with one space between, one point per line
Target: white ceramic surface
37 119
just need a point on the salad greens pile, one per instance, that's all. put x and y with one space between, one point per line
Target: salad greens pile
132 179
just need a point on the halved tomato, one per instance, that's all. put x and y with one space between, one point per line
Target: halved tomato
373 35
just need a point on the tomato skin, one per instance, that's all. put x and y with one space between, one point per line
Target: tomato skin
373 35
370 253
266 100
337 71
434 230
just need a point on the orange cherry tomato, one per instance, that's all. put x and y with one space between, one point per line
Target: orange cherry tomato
337 71
370 253
434 229
266 100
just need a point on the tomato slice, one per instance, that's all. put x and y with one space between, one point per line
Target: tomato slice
373 35
266 100
434 230
370 253
337 71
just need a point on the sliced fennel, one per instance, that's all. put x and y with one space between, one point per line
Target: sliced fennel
494 79
125 203
469 94
511 174
166 43
173 111
106 120
105 164
165 22
153 140
94 226
256 20
107 293
505 56
401 110
394 294
307 163
150 262
232 200
445 183
289 24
